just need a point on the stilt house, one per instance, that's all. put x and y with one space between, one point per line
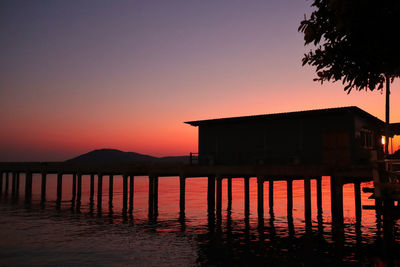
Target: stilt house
334 136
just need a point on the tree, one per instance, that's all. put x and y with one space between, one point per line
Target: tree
355 41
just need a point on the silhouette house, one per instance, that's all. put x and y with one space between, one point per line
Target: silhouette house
334 136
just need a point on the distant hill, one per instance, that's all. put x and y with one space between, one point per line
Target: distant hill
118 156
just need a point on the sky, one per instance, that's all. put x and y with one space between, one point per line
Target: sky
83 75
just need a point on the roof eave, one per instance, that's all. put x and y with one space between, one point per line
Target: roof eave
192 123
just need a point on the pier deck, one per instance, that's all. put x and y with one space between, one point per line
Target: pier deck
276 172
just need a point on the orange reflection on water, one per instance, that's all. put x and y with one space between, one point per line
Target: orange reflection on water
196 200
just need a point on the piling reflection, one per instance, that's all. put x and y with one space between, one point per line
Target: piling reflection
99 192
43 187
182 196
242 230
131 192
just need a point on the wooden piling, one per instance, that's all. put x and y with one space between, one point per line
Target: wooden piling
59 186
211 194
337 199
229 193
182 190
246 197
1 183
28 186
319 195
219 196
131 192
151 196
79 188
43 187
156 195
289 196
91 188
99 190
110 188
73 187
124 192
271 195
17 184
14 183
357 198
307 199
7 182
260 198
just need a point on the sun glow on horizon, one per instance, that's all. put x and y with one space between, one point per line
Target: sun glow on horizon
134 91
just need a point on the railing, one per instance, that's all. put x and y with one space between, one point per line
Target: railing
392 164
392 167
386 180
194 158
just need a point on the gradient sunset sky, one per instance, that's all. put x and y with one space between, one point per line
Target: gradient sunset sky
81 75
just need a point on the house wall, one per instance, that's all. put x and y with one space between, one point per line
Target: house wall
307 140
363 152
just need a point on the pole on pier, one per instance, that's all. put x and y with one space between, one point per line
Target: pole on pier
211 194
260 199
229 193
131 192
182 191
124 192
17 184
246 197
99 190
219 197
73 187
319 195
59 186
14 183
79 188
43 187
337 199
155 196
289 191
110 189
357 198
28 186
307 200
1 183
319 205
211 203
271 195
7 182
91 188
289 197
151 196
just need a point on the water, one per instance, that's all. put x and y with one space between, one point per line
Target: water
36 234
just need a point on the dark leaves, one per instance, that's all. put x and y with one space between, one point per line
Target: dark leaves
356 41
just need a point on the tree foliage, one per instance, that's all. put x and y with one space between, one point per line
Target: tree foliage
355 41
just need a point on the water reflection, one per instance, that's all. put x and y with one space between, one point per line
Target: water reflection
233 233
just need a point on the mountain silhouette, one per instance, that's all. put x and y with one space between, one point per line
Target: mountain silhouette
117 156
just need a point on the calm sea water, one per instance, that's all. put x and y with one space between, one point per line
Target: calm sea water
36 234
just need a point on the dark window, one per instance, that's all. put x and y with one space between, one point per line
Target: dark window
366 138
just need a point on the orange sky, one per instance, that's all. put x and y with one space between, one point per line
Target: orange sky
77 77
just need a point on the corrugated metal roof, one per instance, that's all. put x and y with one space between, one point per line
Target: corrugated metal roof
288 115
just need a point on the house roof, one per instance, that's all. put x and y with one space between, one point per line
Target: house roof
290 115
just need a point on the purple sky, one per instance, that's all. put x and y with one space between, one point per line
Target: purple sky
80 75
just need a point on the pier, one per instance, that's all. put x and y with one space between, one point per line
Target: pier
10 172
